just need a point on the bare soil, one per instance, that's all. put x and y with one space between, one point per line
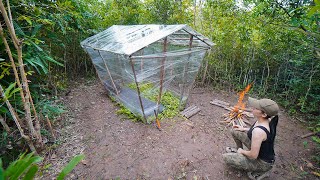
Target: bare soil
116 148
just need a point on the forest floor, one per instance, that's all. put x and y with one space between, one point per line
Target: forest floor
116 148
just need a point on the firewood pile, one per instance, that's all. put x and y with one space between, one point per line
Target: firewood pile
238 114
235 116
190 111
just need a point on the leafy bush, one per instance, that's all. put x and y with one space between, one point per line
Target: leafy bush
26 167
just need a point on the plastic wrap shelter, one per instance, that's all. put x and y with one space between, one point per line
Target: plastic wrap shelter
137 64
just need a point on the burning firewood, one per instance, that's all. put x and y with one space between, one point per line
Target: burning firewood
236 115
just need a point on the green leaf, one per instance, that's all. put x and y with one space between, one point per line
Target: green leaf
30 61
18 29
316 139
31 172
35 45
26 18
52 60
14 91
69 167
1 171
7 91
18 167
36 29
26 163
11 168
37 62
1 174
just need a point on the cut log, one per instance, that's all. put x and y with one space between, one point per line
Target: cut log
190 111
193 112
218 103
221 102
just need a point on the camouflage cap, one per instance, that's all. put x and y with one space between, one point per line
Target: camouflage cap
268 106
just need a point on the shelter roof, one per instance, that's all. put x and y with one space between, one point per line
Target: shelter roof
127 39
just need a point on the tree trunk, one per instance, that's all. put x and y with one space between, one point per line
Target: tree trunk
26 96
16 120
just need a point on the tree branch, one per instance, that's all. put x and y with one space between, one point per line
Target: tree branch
4 124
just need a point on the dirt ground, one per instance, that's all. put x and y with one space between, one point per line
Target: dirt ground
116 148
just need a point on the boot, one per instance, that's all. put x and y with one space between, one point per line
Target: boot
258 176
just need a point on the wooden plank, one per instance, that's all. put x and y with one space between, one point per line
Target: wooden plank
193 112
221 102
188 109
217 104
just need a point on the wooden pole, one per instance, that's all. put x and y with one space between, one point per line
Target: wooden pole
162 73
205 69
185 71
199 38
181 53
50 128
113 84
138 89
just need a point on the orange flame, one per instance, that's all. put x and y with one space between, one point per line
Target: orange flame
240 104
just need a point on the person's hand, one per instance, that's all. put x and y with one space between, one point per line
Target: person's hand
240 150
238 128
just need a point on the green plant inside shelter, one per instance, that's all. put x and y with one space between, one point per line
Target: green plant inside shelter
147 89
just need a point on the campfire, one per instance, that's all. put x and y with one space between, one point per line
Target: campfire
238 114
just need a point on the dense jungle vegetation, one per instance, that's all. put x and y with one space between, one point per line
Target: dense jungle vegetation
272 43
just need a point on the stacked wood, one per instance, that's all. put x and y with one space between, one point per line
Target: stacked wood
227 106
236 116
190 111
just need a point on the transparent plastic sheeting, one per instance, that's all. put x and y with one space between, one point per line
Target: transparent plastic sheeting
129 39
169 61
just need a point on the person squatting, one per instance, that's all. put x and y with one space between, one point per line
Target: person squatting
259 157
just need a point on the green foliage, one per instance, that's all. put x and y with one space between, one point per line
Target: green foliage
49 108
70 166
17 168
171 104
167 12
271 44
10 91
126 112
316 139
147 89
5 68
26 167
274 44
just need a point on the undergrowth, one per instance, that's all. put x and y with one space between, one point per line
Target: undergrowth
168 100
